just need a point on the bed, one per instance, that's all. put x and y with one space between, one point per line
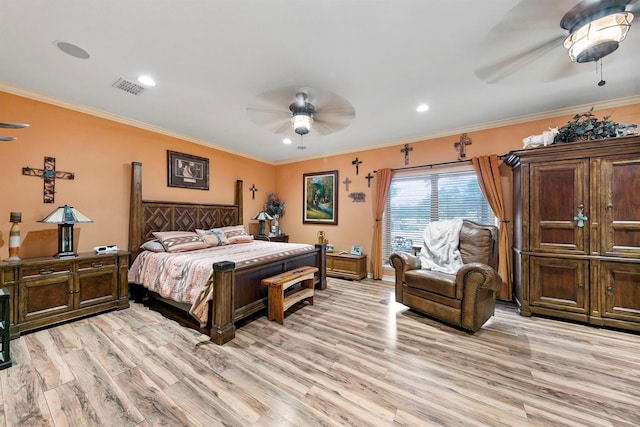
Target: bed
236 290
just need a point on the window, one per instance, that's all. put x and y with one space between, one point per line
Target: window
417 198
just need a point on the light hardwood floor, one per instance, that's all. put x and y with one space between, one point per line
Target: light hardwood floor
354 358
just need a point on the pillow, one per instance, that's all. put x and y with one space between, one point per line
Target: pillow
153 246
240 238
234 230
179 241
213 237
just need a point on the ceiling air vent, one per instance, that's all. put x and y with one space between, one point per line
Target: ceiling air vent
128 86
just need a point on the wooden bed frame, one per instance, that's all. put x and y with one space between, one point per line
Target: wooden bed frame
238 293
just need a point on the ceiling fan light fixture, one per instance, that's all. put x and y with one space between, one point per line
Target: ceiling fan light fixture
599 37
301 122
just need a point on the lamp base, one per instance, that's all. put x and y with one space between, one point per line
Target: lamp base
65 255
13 258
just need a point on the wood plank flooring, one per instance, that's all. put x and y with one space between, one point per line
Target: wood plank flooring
354 358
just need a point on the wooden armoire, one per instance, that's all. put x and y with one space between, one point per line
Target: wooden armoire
577 231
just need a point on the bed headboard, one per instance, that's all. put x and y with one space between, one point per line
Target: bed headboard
145 217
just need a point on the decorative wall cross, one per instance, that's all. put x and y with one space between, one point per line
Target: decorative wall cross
369 177
346 183
460 146
253 190
49 174
406 150
356 162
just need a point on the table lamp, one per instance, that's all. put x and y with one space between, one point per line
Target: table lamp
65 216
261 217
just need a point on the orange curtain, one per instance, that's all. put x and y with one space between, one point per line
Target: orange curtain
381 190
488 174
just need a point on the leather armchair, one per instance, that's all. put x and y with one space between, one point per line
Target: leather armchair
465 299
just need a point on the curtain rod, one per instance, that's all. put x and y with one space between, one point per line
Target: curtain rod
432 165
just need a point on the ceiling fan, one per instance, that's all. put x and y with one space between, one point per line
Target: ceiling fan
7 125
585 32
302 110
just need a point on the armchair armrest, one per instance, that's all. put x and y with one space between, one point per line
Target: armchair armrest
403 262
476 284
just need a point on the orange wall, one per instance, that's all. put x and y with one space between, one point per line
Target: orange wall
355 220
100 153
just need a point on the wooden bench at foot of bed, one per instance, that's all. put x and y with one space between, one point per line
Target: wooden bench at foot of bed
279 302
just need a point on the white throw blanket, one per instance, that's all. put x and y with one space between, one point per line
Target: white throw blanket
440 246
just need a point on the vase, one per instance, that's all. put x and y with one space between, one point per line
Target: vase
275 225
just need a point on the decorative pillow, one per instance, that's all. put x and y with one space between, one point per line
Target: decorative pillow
234 230
153 246
179 241
239 238
213 237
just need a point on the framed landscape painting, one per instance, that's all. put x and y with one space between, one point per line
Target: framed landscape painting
187 171
320 204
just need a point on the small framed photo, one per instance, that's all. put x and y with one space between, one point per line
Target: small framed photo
356 250
187 171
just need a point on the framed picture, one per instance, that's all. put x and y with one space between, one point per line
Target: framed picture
320 204
356 250
187 171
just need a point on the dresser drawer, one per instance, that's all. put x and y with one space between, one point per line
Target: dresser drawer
44 269
96 263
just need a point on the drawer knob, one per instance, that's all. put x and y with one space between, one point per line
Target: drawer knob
96 264
49 271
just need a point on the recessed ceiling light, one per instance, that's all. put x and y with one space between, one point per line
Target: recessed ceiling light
286 141
73 50
422 108
147 81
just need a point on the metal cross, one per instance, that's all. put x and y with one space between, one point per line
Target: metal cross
356 162
253 190
346 183
460 146
49 174
369 177
406 150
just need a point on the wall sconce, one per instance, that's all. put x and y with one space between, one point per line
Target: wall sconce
65 216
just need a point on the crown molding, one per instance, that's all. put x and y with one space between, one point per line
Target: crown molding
119 119
569 111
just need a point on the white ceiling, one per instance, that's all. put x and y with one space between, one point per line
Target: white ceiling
212 58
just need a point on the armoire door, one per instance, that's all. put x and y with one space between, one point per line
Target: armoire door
619 206
559 206
621 284
559 284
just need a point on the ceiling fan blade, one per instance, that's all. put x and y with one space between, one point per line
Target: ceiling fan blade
321 128
505 67
346 112
8 125
283 128
7 138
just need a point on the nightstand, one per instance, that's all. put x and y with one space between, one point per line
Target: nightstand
284 238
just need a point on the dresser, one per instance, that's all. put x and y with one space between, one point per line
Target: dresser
346 266
46 291
577 231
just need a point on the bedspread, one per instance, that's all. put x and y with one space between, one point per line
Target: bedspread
186 276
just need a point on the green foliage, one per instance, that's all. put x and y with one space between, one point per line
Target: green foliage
586 126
